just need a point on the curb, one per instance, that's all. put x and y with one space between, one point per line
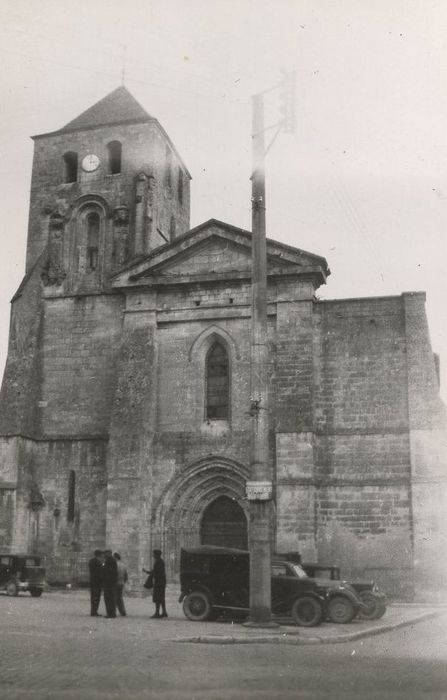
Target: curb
287 638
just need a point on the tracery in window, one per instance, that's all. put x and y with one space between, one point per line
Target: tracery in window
217 383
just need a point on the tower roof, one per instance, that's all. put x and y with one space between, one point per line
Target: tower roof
118 107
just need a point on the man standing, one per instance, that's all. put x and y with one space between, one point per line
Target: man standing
110 581
96 567
121 581
159 585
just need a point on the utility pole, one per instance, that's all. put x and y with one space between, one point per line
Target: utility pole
260 487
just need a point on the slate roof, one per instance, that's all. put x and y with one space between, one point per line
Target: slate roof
118 107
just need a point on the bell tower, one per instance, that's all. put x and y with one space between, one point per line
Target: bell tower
106 188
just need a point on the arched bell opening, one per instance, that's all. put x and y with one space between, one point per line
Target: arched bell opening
224 524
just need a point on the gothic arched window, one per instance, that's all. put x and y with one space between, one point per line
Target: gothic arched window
70 166
93 224
217 383
114 149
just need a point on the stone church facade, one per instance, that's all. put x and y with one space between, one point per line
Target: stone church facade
124 409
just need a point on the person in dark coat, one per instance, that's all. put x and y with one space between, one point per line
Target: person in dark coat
159 585
110 580
121 582
95 567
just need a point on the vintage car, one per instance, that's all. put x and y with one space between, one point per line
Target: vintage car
341 602
215 580
21 572
374 601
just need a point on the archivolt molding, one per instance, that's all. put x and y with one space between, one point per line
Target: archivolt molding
207 337
184 500
91 200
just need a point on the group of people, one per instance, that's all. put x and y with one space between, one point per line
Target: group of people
108 575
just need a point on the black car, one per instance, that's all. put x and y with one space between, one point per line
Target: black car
374 601
341 602
21 572
215 580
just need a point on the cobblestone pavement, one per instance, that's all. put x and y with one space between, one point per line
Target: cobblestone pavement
52 648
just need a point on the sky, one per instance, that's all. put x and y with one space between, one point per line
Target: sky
362 181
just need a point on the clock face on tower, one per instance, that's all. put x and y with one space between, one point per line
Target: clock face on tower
90 163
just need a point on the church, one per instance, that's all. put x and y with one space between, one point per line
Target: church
125 402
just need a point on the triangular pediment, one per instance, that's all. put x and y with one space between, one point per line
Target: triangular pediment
213 254
215 250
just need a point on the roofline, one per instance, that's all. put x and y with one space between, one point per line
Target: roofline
245 232
214 222
28 274
373 298
59 132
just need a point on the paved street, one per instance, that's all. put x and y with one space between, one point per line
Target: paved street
51 648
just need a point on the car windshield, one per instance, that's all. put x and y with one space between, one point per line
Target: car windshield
299 571
323 573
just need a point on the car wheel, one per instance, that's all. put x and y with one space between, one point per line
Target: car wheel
340 609
36 592
307 611
197 606
375 607
12 588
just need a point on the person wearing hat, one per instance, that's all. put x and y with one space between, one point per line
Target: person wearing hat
110 573
96 568
159 585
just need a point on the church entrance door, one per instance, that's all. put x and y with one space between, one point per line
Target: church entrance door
224 524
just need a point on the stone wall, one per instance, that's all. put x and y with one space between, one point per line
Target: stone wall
143 151
112 387
79 363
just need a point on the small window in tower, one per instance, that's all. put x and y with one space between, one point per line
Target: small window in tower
217 383
70 166
168 171
114 152
180 185
71 496
93 223
172 228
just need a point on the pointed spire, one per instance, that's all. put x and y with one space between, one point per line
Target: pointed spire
117 107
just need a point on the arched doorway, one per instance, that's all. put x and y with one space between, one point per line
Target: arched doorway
224 524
